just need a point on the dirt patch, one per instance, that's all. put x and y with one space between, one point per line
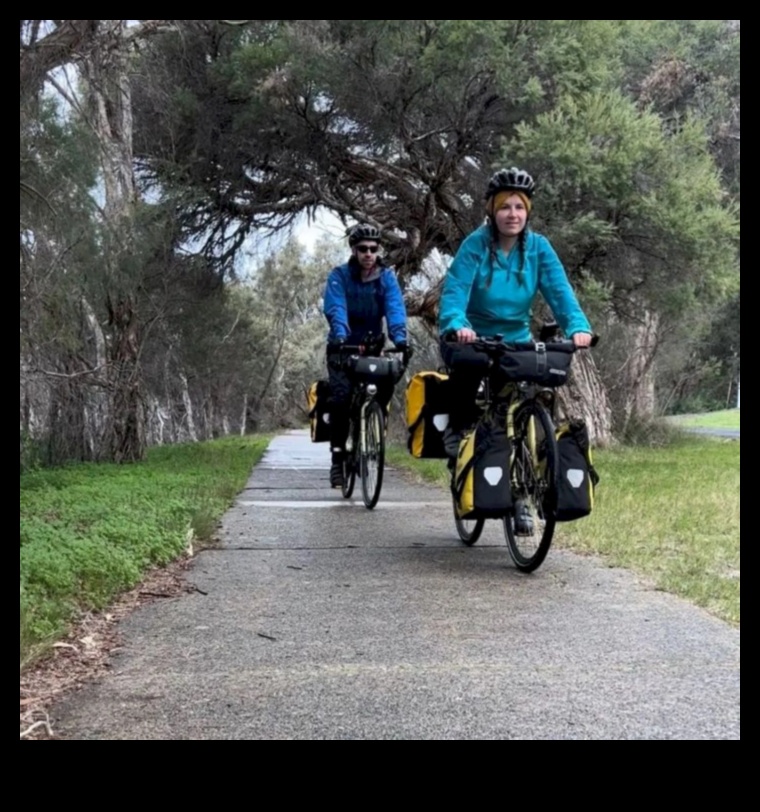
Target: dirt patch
84 654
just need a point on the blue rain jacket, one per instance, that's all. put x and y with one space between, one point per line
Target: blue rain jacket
354 308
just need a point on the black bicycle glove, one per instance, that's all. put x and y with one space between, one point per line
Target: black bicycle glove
406 351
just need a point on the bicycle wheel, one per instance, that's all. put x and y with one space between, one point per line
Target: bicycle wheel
469 530
530 527
372 454
349 459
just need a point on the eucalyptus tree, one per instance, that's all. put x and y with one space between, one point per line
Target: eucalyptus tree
390 122
61 347
93 250
395 122
691 69
286 309
192 348
399 123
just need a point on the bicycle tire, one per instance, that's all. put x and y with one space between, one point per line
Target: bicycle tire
468 530
349 460
533 474
372 454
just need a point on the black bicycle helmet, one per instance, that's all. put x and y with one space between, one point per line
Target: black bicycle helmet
361 232
510 180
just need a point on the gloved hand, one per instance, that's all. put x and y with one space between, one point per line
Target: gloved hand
335 346
406 351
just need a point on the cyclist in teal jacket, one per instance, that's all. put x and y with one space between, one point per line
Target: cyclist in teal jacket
490 287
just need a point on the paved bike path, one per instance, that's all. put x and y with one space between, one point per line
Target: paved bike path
320 620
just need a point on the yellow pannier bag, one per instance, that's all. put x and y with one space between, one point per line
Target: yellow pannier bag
481 484
319 417
427 414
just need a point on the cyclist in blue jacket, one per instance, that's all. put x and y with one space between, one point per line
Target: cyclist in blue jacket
358 295
490 287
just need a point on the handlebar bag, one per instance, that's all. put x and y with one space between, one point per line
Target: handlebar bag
375 368
537 364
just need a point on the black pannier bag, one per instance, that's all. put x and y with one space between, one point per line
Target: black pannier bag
534 363
427 414
576 476
317 399
481 484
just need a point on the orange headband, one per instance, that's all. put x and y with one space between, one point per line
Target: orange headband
497 201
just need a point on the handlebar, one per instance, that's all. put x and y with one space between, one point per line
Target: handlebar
360 349
373 345
495 345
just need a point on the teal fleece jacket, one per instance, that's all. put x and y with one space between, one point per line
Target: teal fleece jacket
505 306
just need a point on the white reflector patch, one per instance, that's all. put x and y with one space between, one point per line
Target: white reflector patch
440 421
372 367
493 475
575 476
326 417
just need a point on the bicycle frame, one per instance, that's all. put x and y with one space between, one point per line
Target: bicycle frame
364 395
511 396
365 452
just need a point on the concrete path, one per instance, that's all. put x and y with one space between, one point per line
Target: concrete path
322 620
733 434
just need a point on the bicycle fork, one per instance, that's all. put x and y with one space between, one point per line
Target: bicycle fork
371 391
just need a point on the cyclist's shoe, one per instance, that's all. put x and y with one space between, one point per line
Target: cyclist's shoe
523 519
451 440
336 470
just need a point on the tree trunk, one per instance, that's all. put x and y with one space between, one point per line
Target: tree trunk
638 384
96 396
66 417
110 105
585 396
127 420
187 404
218 424
244 415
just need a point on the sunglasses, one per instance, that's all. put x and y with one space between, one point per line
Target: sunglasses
364 249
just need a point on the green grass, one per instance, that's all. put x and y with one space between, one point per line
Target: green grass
671 514
725 419
91 531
